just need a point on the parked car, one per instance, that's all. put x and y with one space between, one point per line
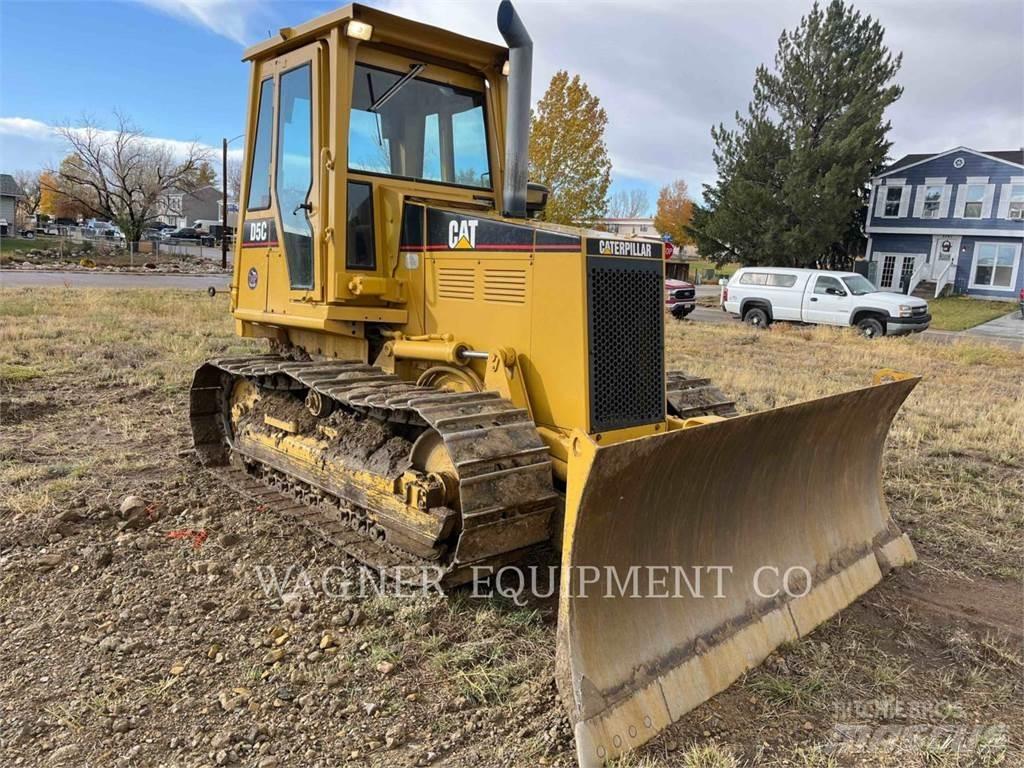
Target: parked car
680 298
763 295
185 233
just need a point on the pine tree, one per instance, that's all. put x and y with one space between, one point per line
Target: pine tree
793 175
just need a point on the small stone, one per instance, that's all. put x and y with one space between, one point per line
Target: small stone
808 726
385 668
240 612
62 755
314 656
285 694
370 708
213 651
221 758
327 640
48 561
177 668
268 762
109 643
120 725
229 539
104 556
281 639
273 656
394 736
334 681
131 505
410 697
220 740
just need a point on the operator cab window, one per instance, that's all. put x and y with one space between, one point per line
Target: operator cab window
359 252
405 125
295 173
259 178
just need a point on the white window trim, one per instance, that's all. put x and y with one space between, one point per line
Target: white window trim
1005 198
986 199
974 268
904 203
922 193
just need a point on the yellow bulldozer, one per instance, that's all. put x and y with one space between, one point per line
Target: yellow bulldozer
452 382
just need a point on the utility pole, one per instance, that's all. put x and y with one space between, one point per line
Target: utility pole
224 208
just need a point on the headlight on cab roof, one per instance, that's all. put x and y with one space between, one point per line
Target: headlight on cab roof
906 310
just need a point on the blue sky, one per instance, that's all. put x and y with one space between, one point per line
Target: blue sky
665 78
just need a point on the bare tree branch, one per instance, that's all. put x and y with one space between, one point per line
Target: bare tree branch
123 175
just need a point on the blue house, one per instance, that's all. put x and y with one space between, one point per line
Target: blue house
952 221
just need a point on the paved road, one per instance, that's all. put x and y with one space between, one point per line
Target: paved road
17 278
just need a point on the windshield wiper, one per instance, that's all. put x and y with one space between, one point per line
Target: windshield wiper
398 85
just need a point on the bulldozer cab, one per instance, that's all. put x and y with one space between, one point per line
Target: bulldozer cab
350 115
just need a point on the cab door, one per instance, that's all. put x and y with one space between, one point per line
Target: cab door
828 303
297 270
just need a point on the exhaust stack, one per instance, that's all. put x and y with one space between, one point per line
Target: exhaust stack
517 130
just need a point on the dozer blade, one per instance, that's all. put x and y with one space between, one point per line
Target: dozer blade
739 504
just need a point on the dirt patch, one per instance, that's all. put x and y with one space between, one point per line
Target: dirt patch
152 633
979 602
17 411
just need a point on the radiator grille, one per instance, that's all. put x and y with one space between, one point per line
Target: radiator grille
627 361
456 283
505 286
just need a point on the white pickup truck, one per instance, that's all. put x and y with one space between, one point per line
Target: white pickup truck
762 295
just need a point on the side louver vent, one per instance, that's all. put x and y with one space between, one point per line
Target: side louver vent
456 283
505 286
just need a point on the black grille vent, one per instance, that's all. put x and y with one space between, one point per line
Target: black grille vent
627 361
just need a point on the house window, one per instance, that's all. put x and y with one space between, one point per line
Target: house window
974 199
888 268
893 198
1016 210
995 265
932 202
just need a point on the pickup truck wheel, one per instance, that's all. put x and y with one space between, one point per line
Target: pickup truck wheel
756 317
870 328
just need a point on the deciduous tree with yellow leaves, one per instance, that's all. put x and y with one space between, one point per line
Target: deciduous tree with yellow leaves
674 212
567 151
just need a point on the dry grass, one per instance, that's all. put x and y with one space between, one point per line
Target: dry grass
954 465
953 479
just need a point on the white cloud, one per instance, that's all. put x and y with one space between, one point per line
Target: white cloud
667 71
39 144
242 21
